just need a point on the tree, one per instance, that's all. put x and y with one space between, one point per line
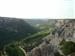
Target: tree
62 42
68 47
13 50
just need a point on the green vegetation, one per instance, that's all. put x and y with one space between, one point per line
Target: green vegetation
36 36
13 50
34 40
12 29
68 47
44 27
62 42
21 33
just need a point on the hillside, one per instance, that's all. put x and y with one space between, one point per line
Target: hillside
12 29
36 21
54 35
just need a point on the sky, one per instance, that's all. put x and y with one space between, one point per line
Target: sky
28 9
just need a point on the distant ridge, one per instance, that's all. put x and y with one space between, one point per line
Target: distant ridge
12 29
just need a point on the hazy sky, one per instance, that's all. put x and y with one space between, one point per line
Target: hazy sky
37 8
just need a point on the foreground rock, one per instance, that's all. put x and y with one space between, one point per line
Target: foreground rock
44 50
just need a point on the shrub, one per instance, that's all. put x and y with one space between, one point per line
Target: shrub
14 51
68 47
62 42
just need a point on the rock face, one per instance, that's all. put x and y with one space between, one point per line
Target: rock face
36 52
44 50
64 28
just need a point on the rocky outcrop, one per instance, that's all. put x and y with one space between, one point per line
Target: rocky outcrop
63 29
44 50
